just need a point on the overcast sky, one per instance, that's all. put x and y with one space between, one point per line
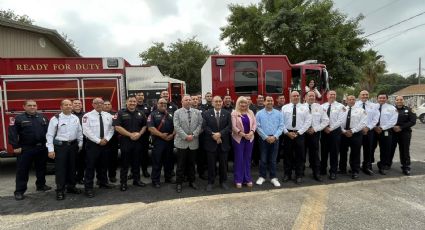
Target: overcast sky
124 28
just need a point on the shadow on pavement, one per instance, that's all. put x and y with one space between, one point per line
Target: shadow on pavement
45 201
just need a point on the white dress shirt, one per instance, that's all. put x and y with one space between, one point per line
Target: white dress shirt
389 116
319 118
336 114
91 126
357 121
303 119
68 129
372 112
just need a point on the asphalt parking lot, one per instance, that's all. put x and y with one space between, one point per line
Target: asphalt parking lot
393 201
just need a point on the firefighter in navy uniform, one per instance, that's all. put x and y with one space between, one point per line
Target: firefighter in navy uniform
112 145
160 124
27 135
146 109
402 134
80 164
131 124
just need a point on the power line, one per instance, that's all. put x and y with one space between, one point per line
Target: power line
399 34
398 23
380 8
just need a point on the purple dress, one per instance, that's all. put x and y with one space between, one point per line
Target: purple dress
243 153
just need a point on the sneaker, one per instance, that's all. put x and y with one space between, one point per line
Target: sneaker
275 182
260 181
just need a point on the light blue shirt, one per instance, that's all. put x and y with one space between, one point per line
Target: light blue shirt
269 123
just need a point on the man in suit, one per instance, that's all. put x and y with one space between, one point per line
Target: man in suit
217 127
188 126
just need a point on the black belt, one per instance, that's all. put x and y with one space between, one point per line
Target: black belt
293 131
61 143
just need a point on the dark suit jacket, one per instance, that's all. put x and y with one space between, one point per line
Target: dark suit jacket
210 126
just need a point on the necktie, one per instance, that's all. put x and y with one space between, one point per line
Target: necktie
102 131
379 120
347 124
189 118
329 111
309 108
364 106
294 116
217 117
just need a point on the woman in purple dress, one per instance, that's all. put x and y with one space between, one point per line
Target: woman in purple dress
243 128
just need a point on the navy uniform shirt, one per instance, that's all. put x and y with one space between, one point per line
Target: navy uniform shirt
130 121
206 107
171 108
79 115
28 130
145 108
154 120
406 118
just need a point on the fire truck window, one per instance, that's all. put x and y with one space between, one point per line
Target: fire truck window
296 80
245 65
313 74
274 82
246 82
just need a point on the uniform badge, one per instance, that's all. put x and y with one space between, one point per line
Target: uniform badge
406 111
11 121
344 109
146 107
170 107
170 115
84 119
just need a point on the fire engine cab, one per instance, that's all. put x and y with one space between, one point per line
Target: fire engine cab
271 75
50 80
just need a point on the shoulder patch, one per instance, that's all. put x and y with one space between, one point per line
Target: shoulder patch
344 109
11 121
85 119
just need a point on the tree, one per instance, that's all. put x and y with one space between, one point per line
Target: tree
25 19
301 29
373 67
182 60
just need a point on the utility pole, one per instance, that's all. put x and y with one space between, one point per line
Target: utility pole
420 68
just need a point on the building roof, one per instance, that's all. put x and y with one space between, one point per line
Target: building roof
412 90
52 35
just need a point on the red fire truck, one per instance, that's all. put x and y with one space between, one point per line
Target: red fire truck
254 75
50 80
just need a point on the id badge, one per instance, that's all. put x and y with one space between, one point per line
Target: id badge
386 133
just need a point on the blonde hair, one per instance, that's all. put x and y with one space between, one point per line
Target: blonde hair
238 108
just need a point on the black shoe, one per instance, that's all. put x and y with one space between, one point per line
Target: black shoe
170 181
368 171
286 178
19 196
332 176
179 188
173 173
139 183
299 180
317 177
60 196
342 171
355 176
146 174
406 172
193 185
89 193
106 186
323 173
73 190
112 179
224 186
123 187
43 188
130 177
203 176
209 188
156 185
382 172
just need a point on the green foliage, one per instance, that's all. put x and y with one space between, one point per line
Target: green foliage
182 60
10 14
301 29
373 67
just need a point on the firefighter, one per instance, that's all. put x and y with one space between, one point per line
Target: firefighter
27 135
227 105
208 102
331 136
387 119
319 121
353 122
146 109
97 127
80 165
113 146
131 124
64 140
402 134
160 124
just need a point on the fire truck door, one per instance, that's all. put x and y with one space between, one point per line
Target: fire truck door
105 88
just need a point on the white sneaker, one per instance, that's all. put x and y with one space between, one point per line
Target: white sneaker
260 181
275 182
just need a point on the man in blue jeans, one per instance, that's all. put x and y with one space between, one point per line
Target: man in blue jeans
269 127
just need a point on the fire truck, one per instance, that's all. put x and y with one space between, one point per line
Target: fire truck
253 75
50 80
